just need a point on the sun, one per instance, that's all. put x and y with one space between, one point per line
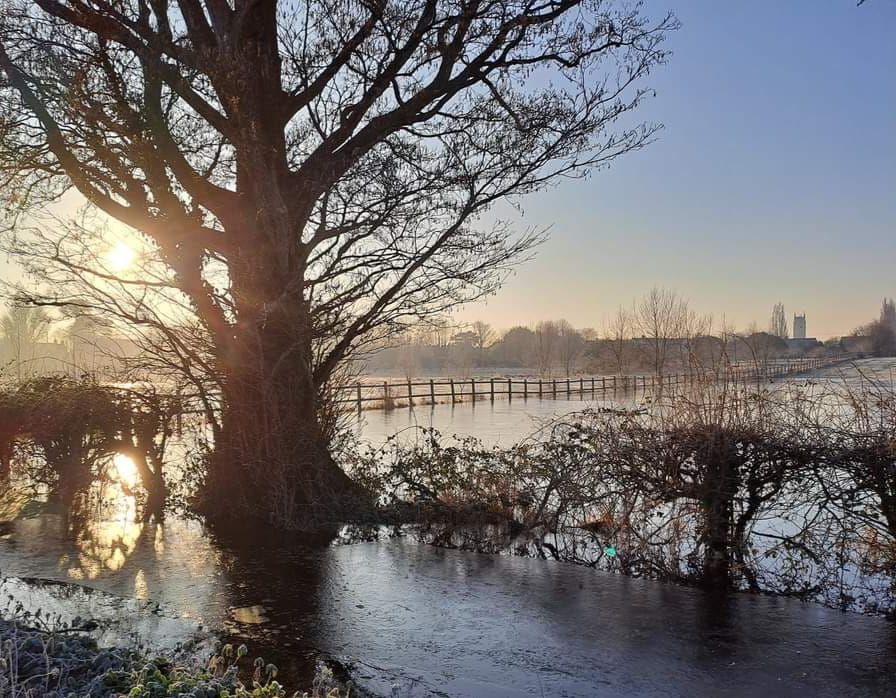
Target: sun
125 470
121 256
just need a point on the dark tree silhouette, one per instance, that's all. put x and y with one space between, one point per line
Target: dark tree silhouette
313 174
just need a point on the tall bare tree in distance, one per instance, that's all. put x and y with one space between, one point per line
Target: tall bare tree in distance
313 174
485 335
666 323
547 341
619 333
778 323
23 327
570 345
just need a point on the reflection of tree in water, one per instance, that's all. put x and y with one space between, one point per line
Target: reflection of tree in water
105 534
277 580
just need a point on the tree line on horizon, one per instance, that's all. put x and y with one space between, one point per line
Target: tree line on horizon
657 334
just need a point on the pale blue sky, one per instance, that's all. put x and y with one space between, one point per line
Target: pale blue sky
774 178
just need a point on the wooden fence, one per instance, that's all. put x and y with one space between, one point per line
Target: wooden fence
389 395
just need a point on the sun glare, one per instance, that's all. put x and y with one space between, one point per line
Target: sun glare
121 256
125 469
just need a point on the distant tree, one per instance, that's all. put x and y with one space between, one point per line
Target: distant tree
881 331
618 334
22 327
888 313
408 354
547 336
517 347
570 345
883 339
778 322
441 331
760 347
589 334
467 338
667 322
485 335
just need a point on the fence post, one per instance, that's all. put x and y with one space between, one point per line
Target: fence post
359 396
473 389
432 391
410 394
386 400
525 388
509 389
554 387
581 386
453 398
492 384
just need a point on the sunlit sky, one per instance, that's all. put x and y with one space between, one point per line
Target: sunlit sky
774 178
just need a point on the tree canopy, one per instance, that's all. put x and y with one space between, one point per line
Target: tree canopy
313 176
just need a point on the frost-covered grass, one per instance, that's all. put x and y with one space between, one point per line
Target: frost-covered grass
64 663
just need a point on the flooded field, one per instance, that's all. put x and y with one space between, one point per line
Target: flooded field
504 422
433 621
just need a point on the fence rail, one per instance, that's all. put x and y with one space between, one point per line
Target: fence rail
389 395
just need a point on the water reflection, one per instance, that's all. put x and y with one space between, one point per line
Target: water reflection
458 623
125 470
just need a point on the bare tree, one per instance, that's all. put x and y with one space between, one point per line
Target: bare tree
760 348
547 336
485 335
23 327
408 355
619 335
665 320
517 346
570 344
312 174
778 323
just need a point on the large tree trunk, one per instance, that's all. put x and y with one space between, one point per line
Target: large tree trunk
273 462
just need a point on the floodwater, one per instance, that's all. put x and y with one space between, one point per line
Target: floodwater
443 622
435 622
501 422
504 422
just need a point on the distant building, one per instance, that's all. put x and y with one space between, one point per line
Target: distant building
799 326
